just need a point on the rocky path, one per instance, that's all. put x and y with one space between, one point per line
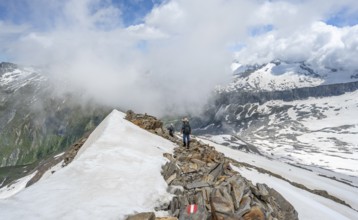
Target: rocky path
202 176
205 186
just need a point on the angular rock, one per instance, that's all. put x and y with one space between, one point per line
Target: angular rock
215 172
282 209
162 207
177 190
222 206
200 214
244 206
197 185
220 181
206 192
263 191
166 218
199 162
183 201
174 205
190 167
171 178
237 192
170 169
168 156
159 131
196 156
178 182
199 198
142 216
255 213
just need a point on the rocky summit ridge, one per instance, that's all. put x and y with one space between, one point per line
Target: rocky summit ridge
203 178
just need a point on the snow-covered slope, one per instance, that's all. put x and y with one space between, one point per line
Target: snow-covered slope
309 206
279 75
316 132
17 78
117 172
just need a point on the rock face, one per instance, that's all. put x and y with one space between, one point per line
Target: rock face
149 123
71 153
145 121
206 187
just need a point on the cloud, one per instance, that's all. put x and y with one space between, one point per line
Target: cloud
320 44
171 61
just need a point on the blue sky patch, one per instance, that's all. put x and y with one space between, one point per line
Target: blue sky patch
25 11
133 11
261 29
142 46
344 17
236 47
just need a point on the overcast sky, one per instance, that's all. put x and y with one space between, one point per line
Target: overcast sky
163 56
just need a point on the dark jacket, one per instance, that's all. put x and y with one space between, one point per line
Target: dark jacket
186 129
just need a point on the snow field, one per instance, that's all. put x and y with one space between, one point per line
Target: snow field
311 180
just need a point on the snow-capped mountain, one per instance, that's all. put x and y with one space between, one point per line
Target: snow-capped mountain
13 77
280 75
317 132
290 112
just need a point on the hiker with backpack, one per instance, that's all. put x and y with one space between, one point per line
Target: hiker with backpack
171 130
186 130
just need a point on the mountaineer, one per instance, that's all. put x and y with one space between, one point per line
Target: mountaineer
171 130
186 131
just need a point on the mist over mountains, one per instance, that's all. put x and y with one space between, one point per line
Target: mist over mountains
172 48
36 121
273 82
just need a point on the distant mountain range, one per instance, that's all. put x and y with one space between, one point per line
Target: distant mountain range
34 120
291 112
280 75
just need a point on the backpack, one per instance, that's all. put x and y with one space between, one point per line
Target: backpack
186 128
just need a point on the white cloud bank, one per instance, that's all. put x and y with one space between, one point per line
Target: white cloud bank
319 44
172 60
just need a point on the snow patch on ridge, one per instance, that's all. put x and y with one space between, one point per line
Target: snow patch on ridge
16 187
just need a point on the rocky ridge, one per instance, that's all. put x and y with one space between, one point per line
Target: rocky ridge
201 177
